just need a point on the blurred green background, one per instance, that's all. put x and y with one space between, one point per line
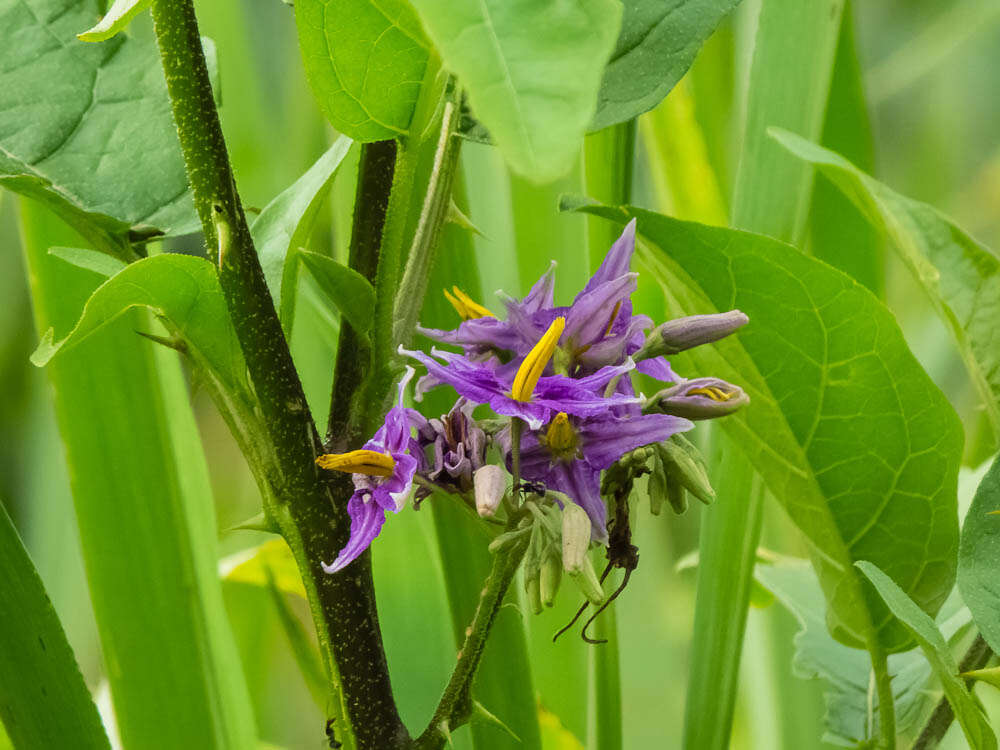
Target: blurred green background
930 73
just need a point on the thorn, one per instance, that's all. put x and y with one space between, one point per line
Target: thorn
168 341
481 712
457 216
259 522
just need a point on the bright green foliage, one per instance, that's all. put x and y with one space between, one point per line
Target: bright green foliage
181 289
53 705
962 277
91 260
345 288
531 71
286 223
145 515
118 17
83 127
789 82
658 42
846 671
838 233
365 61
973 721
846 428
979 557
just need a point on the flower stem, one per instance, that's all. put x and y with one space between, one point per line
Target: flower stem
516 429
296 495
456 705
886 703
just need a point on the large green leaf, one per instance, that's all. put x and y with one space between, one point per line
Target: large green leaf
365 61
54 704
145 514
657 44
974 723
183 290
979 557
961 276
846 672
84 127
847 430
531 71
346 290
286 222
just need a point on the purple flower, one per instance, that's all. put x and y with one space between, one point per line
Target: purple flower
383 475
569 454
701 398
457 445
481 383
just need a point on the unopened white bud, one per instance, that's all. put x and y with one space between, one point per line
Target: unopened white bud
576 530
489 484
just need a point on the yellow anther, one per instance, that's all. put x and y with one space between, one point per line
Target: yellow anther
465 306
536 361
368 462
560 437
713 392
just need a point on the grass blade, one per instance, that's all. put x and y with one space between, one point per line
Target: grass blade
54 704
145 515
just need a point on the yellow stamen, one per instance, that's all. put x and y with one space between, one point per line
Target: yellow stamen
368 462
536 361
560 437
465 306
713 392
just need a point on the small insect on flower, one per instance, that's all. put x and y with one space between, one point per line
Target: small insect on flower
331 735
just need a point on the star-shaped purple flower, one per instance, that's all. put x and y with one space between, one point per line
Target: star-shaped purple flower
375 494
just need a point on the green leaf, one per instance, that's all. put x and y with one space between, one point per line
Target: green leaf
979 557
183 290
849 433
118 17
82 126
846 671
962 277
92 260
145 514
657 44
838 233
974 723
345 288
255 566
54 704
531 71
286 222
365 61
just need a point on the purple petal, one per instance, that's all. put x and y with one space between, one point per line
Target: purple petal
617 261
540 296
366 523
604 441
593 313
483 333
659 368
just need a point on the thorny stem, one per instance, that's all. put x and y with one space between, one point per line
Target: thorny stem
976 657
456 706
296 496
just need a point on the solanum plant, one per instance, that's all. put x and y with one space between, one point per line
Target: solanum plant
731 346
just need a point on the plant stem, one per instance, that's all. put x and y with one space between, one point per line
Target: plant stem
371 203
456 705
297 497
886 703
976 657
437 200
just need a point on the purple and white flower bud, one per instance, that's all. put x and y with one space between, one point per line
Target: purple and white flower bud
489 483
681 334
700 398
456 446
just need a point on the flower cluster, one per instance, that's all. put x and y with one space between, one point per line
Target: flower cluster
560 381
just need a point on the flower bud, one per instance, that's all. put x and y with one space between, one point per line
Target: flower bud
684 467
532 587
700 398
586 580
550 577
489 484
677 498
657 486
576 531
681 334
